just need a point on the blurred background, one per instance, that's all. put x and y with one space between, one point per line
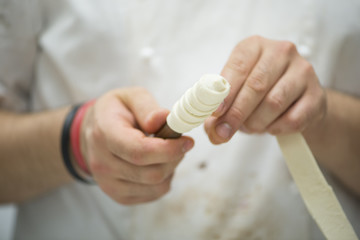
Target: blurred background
7 220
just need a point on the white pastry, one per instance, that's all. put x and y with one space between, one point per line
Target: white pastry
318 196
198 103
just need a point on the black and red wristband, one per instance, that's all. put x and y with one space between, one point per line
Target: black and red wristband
65 145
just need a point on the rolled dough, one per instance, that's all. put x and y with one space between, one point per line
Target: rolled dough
318 196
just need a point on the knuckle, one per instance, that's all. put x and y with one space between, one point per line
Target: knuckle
253 127
164 188
276 101
154 176
238 65
236 114
286 47
257 83
295 123
255 38
306 68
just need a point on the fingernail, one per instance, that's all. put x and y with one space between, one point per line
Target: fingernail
223 130
187 146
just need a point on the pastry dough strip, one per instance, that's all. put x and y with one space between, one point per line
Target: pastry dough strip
318 196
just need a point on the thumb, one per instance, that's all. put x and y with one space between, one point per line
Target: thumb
144 107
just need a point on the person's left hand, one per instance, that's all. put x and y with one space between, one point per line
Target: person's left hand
273 89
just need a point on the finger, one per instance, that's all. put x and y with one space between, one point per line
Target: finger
138 149
109 112
115 126
155 120
239 65
209 129
237 69
131 144
270 67
104 164
156 174
123 192
303 112
141 103
285 92
109 166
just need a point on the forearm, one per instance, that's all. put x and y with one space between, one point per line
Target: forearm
334 141
30 159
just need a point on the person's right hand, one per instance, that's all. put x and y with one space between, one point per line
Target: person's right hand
127 164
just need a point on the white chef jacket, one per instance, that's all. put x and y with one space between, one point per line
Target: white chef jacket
54 53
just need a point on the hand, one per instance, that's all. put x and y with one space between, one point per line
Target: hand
128 165
273 89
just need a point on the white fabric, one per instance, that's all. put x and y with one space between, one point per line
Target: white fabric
239 190
17 51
